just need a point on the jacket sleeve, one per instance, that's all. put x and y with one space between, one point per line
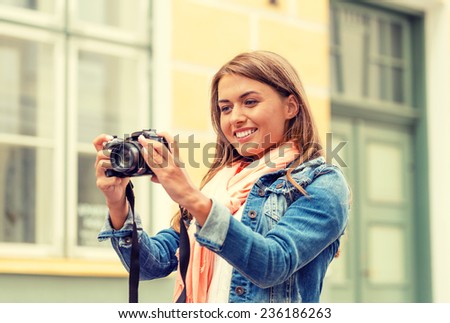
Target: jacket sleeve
157 254
309 225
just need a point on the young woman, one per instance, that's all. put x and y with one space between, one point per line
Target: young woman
268 218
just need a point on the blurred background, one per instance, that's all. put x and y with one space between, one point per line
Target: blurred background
377 76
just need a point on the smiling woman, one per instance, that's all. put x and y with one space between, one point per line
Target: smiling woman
253 115
268 218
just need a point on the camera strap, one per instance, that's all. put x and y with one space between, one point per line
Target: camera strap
133 282
184 252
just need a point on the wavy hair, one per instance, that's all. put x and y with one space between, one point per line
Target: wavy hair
274 70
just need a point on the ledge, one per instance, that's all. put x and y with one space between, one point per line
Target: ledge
63 267
375 110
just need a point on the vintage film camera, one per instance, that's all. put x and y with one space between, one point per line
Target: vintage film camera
126 158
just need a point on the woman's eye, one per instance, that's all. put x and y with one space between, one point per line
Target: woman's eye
250 102
225 108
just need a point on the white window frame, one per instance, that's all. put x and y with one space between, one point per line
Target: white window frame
157 209
142 185
56 143
109 32
162 206
35 17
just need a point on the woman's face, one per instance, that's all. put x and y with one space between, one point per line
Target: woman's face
252 114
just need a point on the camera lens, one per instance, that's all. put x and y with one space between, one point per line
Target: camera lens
125 158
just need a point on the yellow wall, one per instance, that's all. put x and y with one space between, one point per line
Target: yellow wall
208 33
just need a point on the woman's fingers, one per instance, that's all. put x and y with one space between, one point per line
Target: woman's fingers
152 156
108 184
102 159
155 179
156 153
169 139
100 141
174 148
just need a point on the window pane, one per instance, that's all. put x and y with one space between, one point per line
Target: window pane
382 37
334 32
396 40
25 194
397 84
26 93
383 82
39 5
110 100
336 74
113 13
368 54
91 204
107 93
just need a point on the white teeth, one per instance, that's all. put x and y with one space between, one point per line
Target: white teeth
245 133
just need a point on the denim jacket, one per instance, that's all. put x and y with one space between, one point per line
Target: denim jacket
281 248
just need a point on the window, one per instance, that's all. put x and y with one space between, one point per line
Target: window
106 96
30 145
47 6
370 56
61 84
46 13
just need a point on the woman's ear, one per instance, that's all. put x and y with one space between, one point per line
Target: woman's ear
292 107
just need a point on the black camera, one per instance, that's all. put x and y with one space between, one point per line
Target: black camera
126 158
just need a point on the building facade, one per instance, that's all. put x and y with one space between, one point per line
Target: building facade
377 76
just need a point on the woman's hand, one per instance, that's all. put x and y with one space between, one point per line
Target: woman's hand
112 187
169 172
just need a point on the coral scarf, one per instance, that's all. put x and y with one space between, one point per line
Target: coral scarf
238 185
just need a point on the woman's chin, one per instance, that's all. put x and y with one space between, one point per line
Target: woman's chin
249 149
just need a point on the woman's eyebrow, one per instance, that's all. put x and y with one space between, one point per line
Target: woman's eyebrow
243 95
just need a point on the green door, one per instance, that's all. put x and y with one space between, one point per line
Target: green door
377 258
376 111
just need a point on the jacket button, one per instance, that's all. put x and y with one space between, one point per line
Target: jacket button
261 192
279 185
127 240
252 214
239 290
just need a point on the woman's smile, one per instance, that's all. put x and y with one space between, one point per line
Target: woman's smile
244 135
252 113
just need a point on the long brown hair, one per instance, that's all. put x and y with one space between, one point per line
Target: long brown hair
271 69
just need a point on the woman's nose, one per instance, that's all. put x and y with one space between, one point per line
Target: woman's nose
237 115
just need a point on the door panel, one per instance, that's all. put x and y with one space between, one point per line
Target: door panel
340 283
385 159
386 247
378 249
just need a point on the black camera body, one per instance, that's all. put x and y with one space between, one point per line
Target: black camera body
126 158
